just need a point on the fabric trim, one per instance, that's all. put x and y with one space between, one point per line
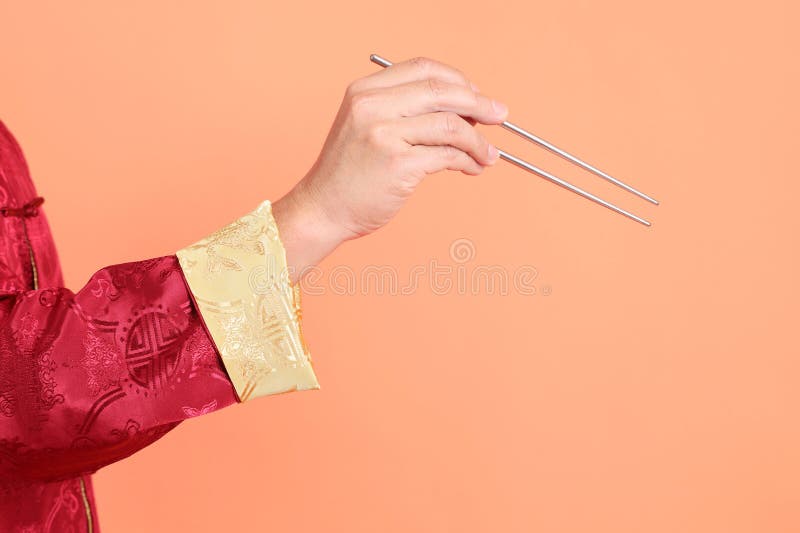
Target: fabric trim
240 283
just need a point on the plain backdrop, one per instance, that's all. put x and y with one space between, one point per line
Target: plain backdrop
649 384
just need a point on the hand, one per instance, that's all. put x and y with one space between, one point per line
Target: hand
394 127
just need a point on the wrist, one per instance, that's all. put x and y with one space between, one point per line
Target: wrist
307 235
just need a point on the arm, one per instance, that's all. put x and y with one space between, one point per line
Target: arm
90 377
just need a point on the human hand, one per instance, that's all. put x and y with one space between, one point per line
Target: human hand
393 128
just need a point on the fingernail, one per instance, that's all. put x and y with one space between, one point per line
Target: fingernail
493 153
499 108
474 87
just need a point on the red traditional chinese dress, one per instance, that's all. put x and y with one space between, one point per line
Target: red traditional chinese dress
89 377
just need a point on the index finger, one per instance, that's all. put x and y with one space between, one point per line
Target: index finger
414 69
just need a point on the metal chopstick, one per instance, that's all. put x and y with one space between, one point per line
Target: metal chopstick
569 157
577 190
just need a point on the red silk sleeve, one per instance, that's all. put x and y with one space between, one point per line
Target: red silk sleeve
89 377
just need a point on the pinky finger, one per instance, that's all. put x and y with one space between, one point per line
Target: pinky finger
432 159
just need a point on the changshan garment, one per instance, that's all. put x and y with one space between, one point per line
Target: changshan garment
90 377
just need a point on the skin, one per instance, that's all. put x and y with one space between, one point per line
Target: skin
393 128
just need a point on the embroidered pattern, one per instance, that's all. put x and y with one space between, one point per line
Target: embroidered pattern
239 279
152 349
205 409
25 352
101 362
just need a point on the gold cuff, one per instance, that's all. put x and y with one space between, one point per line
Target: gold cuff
240 283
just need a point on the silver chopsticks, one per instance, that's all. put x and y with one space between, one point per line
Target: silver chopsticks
569 157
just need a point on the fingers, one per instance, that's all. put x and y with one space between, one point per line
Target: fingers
446 128
415 69
432 159
430 95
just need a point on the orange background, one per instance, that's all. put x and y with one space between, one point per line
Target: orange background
655 389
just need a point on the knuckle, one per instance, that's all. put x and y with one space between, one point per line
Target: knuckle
422 63
357 100
450 124
360 101
461 76
436 87
377 133
451 153
353 88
